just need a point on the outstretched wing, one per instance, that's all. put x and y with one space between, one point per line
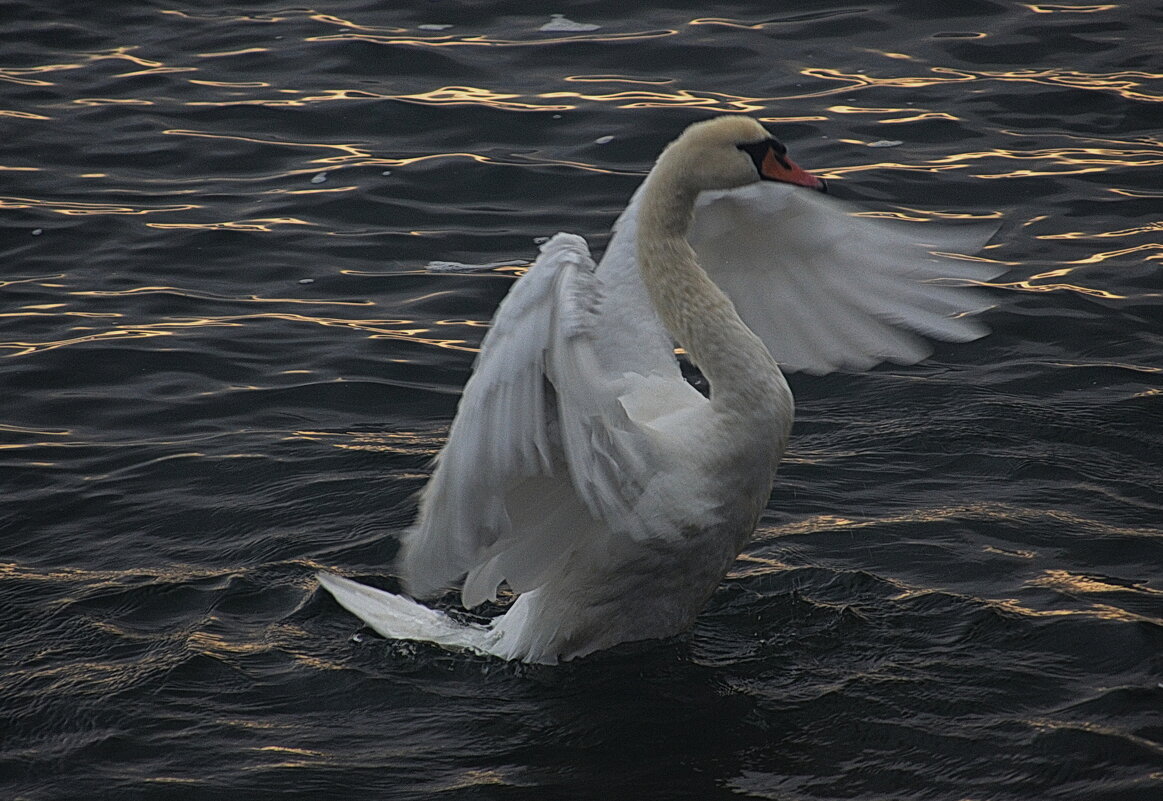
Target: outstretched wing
576 399
542 452
828 290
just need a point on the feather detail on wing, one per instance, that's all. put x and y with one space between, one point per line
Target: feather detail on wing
576 395
828 290
541 451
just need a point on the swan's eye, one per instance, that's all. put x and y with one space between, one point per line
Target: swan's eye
761 147
758 151
751 148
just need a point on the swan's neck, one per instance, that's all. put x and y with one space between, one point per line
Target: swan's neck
743 376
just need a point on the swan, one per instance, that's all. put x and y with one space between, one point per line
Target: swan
583 471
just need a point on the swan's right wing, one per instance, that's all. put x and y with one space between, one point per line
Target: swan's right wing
827 289
500 437
542 453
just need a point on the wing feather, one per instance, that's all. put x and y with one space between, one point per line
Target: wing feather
576 394
501 435
827 289
542 452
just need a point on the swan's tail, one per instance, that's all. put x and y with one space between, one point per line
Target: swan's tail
400 618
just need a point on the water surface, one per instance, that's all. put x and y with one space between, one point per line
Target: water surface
223 366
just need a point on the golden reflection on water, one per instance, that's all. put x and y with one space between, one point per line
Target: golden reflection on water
900 71
1050 161
1065 581
18 348
1047 8
36 432
199 633
987 512
1032 283
262 224
924 215
227 53
729 23
202 295
309 758
1095 610
397 442
112 101
208 643
1077 586
346 154
617 78
650 92
349 151
1129 84
279 16
82 208
21 75
1123 83
483 40
913 114
24 115
355 156
474 96
1136 193
396 329
1144 229
1098 258
687 98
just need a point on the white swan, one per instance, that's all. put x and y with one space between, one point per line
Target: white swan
583 471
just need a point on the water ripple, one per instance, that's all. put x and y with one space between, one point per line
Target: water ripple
226 367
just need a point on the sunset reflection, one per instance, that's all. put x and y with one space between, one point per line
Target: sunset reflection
406 443
84 208
373 328
490 41
236 225
899 82
1050 8
1065 581
1129 84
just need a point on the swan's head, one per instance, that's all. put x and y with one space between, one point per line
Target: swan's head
726 152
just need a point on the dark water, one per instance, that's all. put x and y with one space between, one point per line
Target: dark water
224 366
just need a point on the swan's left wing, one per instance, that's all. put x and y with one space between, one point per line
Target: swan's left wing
827 289
542 449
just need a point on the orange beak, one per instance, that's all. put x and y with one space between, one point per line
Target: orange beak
781 168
